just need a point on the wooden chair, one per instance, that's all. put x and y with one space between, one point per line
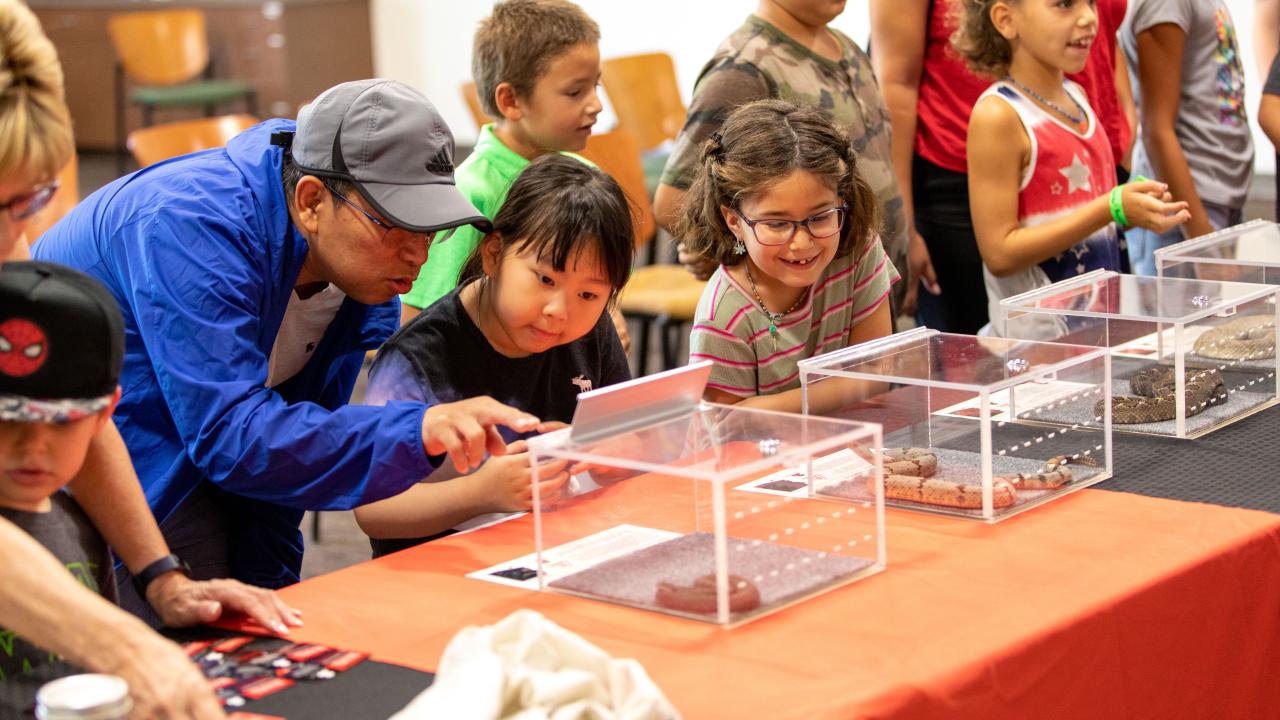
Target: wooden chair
165 54
473 105
153 144
67 197
645 97
661 296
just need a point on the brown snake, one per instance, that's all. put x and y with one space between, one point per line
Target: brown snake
1249 337
908 475
1156 395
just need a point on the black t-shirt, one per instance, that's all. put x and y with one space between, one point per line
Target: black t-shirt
441 357
67 533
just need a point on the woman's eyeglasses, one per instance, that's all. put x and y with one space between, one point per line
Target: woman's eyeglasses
23 207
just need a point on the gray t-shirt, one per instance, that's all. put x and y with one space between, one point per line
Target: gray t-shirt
1273 78
68 533
1212 125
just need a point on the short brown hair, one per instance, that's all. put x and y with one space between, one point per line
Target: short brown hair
518 41
35 125
759 144
976 40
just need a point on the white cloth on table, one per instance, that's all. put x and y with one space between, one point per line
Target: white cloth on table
525 667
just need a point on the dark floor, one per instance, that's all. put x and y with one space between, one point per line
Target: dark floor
341 542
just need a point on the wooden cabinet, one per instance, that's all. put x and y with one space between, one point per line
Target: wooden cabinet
290 50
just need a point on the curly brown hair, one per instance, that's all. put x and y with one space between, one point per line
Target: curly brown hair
759 144
976 39
519 40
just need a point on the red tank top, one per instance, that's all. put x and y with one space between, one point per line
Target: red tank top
1066 171
949 90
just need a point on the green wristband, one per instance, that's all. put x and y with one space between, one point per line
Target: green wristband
1117 206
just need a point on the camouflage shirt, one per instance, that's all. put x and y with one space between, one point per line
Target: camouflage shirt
758 61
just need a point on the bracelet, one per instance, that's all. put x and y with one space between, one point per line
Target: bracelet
1117 206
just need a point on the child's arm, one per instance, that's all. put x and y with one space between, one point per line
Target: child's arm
503 484
1124 98
998 150
1160 51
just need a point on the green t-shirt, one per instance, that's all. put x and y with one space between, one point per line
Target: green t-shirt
484 178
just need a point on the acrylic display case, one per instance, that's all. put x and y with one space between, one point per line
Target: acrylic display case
977 427
1249 253
1188 356
719 514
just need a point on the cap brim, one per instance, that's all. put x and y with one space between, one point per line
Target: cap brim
423 208
16 408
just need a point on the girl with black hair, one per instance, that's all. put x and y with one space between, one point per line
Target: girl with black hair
527 325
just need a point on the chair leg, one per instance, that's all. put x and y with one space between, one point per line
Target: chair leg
148 115
670 345
251 102
642 347
121 136
315 526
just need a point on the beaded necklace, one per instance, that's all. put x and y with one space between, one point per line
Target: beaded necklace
773 317
1075 119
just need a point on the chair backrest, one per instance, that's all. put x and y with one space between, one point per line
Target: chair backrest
618 154
150 145
478 114
66 198
162 47
645 97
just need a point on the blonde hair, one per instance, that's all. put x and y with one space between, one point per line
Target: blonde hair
976 40
759 144
35 126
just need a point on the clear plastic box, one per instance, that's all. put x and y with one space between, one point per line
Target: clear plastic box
1188 356
720 514
1249 253
977 427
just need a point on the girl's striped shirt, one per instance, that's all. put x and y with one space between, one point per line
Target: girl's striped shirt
731 330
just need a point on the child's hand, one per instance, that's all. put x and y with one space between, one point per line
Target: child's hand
467 428
507 482
1148 205
700 267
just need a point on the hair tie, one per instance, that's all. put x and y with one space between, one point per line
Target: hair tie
717 145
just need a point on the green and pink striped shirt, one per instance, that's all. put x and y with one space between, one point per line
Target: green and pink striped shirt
731 330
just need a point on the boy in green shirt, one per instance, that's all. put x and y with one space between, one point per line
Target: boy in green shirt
536 65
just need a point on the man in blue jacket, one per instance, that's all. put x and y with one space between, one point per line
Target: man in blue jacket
252 280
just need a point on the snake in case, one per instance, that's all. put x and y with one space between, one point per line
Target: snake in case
909 475
1155 395
1249 337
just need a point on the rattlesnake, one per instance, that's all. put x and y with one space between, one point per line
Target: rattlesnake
908 475
1157 392
1249 337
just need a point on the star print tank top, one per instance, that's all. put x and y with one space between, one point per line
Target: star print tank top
1067 169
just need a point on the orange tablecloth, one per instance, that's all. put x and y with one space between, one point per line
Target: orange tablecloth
1101 604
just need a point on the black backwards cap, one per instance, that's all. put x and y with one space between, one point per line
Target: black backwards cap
61 343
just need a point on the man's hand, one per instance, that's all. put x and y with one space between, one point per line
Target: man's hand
181 601
700 267
163 682
506 483
919 272
467 429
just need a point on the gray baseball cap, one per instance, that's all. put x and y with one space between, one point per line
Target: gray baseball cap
390 141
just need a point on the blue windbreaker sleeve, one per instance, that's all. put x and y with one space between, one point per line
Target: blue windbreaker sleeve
199 312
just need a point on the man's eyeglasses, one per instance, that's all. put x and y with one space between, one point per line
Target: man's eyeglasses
23 207
386 227
775 231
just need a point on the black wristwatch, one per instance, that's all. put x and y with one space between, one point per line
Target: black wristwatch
166 564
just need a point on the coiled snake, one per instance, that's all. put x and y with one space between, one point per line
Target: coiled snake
1156 393
1249 337
909 475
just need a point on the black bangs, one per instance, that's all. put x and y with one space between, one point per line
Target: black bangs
561 209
